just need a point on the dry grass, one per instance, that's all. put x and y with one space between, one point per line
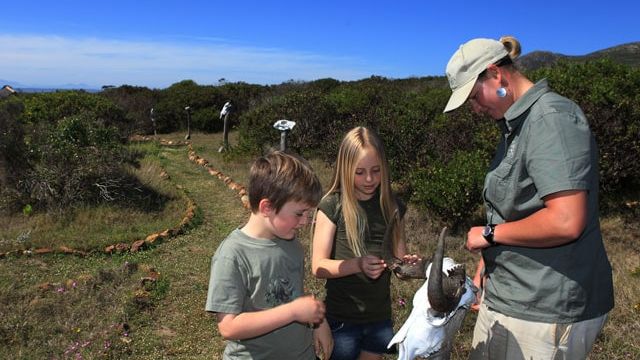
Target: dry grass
166 318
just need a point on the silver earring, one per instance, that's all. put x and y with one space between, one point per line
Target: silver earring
501 92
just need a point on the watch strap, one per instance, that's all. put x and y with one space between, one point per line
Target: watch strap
489 235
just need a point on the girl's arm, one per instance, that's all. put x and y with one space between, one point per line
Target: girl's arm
322 266
246 325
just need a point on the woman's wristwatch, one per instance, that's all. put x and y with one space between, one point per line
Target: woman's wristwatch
487 234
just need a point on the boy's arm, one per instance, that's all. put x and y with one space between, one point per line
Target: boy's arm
305 309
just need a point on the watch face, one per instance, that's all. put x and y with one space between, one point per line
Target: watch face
486 231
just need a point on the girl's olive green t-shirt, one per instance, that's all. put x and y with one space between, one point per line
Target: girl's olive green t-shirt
357 298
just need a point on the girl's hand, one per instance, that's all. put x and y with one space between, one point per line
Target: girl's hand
371 266
411 267
410 259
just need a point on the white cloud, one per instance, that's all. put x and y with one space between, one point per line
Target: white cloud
53 60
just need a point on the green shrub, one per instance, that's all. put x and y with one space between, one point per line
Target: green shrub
78 161
205 102
208 120
315 131
136 102
44 109
451 191
13 164
608 94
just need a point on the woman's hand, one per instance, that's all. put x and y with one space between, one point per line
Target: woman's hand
475 240
478 282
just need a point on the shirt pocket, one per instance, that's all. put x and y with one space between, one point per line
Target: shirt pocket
498 182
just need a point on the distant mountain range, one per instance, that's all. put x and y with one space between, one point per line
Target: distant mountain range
628 54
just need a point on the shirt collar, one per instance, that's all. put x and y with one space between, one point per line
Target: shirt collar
513 116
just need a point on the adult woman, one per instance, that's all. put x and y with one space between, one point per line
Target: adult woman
548 286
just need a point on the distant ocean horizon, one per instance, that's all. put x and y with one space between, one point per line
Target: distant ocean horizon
51 89
32 88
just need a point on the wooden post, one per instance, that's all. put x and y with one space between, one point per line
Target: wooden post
188 109
225 134
226 110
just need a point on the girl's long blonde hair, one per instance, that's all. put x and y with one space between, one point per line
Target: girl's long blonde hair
351 148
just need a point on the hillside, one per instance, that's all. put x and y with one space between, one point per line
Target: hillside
628 54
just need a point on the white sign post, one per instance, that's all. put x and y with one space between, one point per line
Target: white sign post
284 126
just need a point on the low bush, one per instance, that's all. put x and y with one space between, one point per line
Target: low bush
315 131
608 94
452 190
79 161
136 102
12 154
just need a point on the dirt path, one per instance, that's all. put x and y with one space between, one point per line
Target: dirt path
180 328
39 294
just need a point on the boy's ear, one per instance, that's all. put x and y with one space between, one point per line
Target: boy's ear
265 207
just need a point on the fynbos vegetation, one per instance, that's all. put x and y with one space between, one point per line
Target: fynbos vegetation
69 177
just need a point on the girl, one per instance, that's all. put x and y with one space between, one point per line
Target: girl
348 244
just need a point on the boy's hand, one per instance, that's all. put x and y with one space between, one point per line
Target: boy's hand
372 266
307 309
323 341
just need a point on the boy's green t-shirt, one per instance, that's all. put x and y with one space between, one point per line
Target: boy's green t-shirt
249 275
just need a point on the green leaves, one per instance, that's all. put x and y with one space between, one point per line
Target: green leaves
609 95
451 190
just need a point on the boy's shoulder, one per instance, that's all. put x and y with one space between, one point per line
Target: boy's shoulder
236 240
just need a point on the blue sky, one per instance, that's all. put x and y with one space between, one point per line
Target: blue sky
158 43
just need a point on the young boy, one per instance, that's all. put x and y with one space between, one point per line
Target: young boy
256 282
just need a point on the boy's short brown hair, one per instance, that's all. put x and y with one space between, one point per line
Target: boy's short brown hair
282 177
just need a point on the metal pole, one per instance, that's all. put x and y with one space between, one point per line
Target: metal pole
283 140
